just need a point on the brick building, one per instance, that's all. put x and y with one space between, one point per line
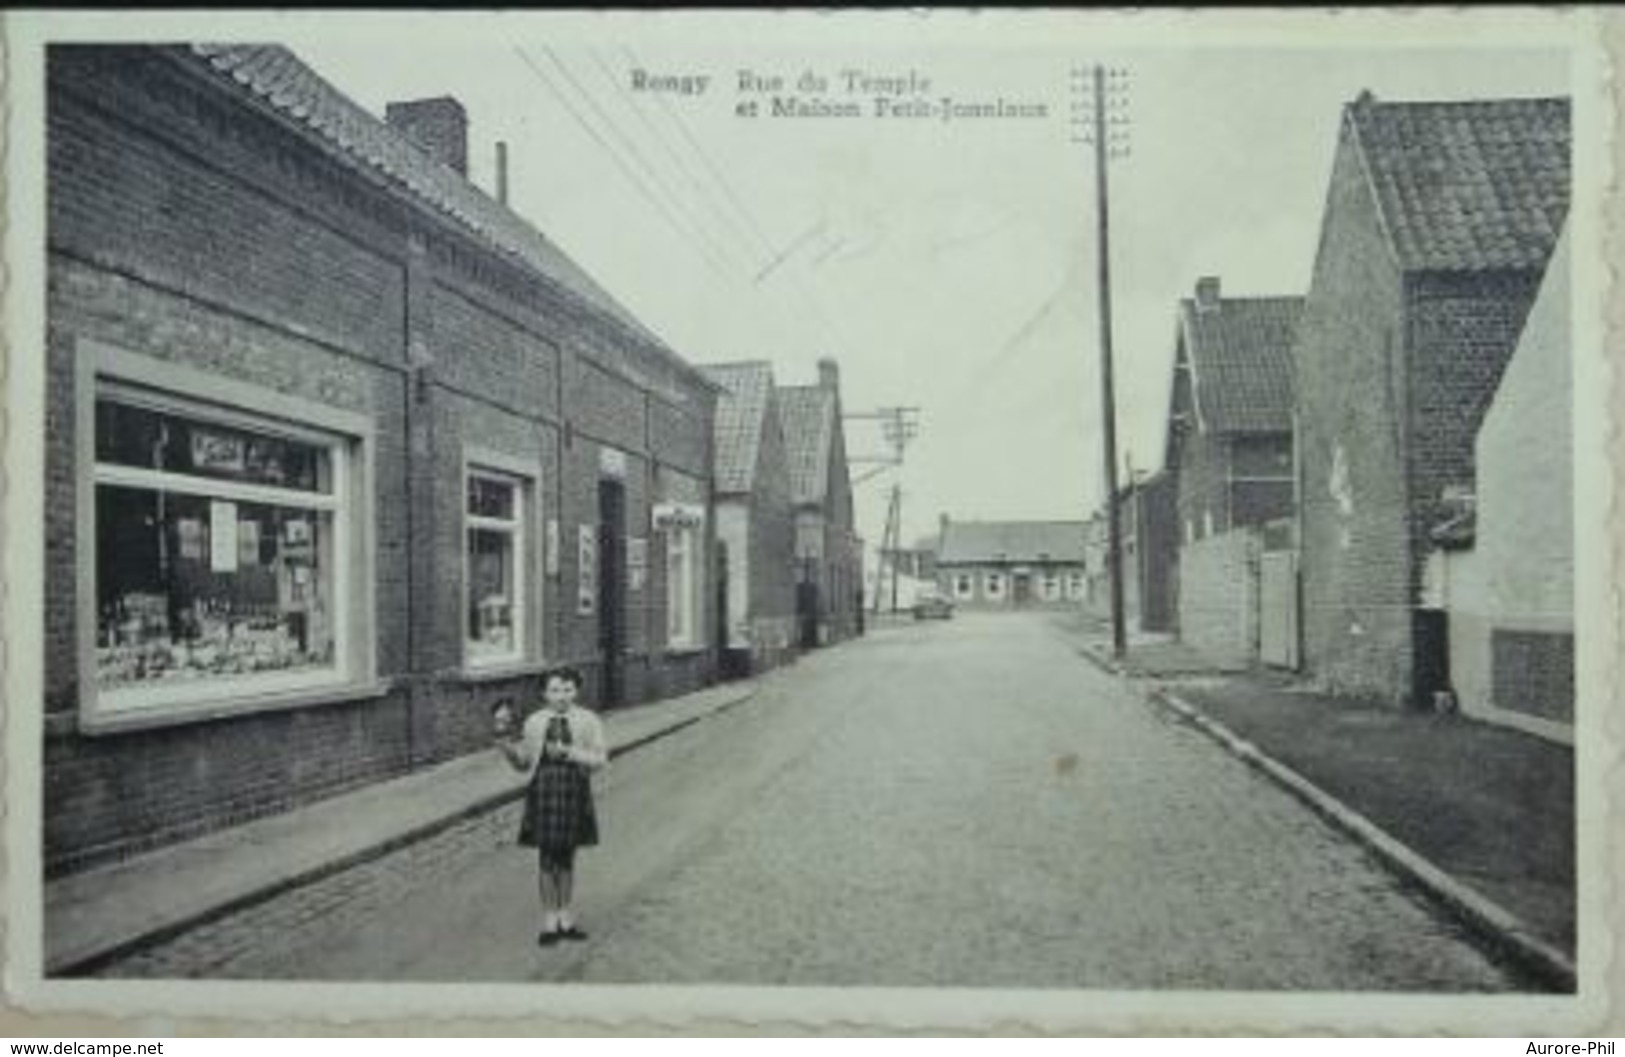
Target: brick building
1229 452
756 527
1503 570
1148 524
829 555
1012 564
339 451
1438 224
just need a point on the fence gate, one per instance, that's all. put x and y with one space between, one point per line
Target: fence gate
1278 609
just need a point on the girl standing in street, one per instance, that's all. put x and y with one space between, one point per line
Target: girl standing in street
561 744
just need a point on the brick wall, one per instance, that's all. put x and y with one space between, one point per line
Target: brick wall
1463 330
1202 475
187 228
1218 596
1159 542
769 554
1261 487
1357 574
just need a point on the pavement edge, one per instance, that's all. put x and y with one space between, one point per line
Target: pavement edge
89 963
1503 932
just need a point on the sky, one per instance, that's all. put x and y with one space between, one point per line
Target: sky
947 265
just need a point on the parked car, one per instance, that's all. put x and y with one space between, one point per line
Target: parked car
933 607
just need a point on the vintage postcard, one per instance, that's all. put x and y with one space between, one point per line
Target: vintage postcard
1058 521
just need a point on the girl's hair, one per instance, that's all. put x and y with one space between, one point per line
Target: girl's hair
566 673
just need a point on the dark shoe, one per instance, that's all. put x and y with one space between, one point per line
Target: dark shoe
547 939
572 933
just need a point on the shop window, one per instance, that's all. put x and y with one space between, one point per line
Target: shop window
962 586
222 554
495 512
1050 587
1075 585
993 585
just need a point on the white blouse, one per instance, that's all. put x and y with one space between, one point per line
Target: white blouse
588 746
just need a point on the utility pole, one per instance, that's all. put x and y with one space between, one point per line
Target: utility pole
1109 137
898 425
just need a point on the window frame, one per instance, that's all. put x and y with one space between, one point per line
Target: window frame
105 371
678 520
529 561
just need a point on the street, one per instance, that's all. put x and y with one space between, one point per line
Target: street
963 803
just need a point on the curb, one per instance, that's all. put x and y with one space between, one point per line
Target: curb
1101 661
93 963
1503 932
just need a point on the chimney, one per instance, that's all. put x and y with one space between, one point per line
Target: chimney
829 375
1207 293
502 173
439 126
942 524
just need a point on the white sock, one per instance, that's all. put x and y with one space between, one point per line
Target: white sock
566 922
550 921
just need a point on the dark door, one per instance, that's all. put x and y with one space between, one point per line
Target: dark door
728 657
612 589
1431 662
807 613
1021 589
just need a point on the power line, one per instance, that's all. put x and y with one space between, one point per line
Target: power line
659 132
767 250
632 177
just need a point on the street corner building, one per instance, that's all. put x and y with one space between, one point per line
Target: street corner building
756 520
828 552
1004 565
1439 223
1229 465
340 451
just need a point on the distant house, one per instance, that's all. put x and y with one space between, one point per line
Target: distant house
1438 225
1503 569
829 569
1012 564
756 528
1229 453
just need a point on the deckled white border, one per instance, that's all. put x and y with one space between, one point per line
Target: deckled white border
58 1007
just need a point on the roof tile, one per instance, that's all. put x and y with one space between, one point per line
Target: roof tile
747 389
1011 541
276 75
1468 186
807 413
1242 355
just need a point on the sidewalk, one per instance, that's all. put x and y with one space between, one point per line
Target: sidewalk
93 916
1479 817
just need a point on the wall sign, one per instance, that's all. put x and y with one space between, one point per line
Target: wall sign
637 562
612 463
678 515
587 570
550 548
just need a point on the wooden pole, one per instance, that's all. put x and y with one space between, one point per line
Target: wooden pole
1107 399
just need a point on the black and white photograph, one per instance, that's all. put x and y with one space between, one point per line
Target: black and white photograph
1083 519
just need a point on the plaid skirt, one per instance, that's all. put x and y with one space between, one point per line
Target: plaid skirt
559 813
